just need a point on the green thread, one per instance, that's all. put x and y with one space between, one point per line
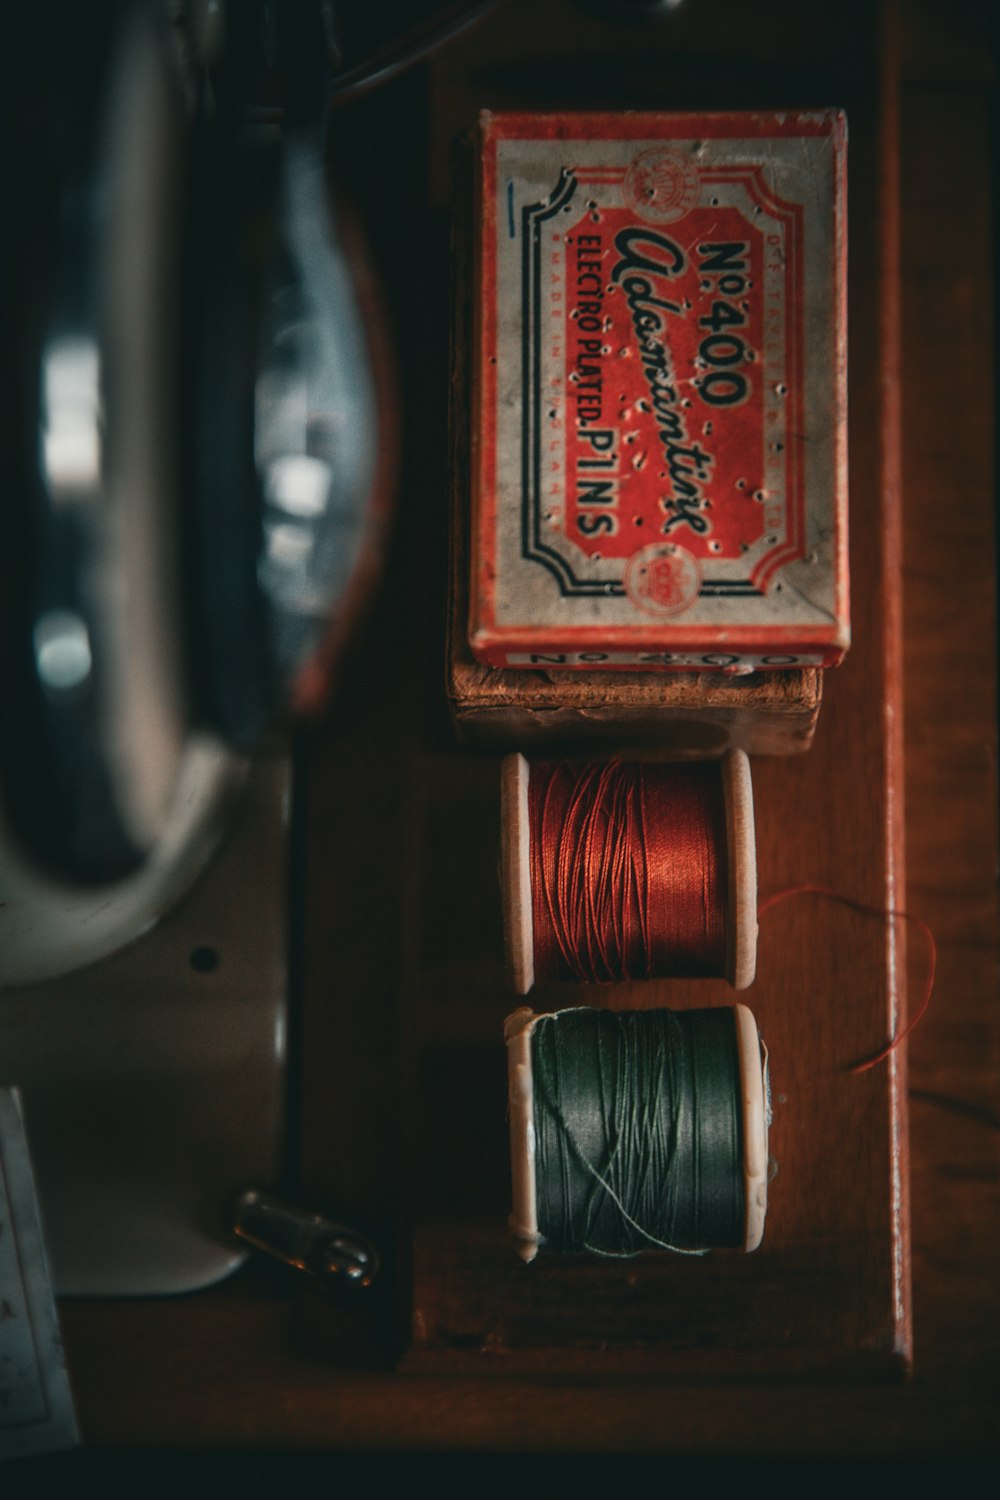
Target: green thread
638 1131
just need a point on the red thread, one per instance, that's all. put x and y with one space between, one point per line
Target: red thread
628 870
872 911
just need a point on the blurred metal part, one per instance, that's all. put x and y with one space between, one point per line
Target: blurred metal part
316 429
71 443
95 754
628 12
283 446
208 26
154 1079
377 42
332 1253
143 862
50 927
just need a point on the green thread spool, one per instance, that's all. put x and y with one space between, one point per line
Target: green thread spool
637 1130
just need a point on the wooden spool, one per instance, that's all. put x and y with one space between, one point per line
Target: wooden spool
518 1030
741 895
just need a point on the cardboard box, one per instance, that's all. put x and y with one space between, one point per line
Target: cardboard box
658 380
683 714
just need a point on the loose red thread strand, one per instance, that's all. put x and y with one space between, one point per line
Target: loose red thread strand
628 870
872 911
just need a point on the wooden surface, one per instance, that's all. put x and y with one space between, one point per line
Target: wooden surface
399 1077
828 1291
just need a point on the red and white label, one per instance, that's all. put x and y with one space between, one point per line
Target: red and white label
661 411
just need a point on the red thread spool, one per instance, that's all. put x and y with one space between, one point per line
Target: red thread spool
629 870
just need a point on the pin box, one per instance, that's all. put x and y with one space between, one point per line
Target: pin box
657 375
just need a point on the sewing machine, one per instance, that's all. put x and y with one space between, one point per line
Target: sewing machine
199 434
